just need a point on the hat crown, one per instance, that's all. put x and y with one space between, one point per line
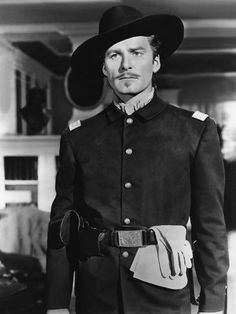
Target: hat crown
84 83
118 16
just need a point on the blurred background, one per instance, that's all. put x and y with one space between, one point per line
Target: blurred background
37 38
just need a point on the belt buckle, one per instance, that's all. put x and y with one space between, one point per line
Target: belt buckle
130 238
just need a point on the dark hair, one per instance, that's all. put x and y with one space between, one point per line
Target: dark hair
155 45
156 48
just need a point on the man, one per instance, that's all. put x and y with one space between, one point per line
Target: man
130 178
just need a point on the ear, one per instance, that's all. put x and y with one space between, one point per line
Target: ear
156 64
104 71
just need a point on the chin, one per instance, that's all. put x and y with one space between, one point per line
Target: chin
132 90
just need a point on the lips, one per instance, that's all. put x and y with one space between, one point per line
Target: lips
126 77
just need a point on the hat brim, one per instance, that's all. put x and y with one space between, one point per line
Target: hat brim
84 84
82 90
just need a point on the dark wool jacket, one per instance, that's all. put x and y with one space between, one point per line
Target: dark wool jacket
175 171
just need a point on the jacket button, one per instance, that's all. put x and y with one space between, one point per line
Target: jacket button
127 221
129 120
128 185
125 254
129 151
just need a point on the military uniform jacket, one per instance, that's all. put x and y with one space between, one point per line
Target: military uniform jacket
158 166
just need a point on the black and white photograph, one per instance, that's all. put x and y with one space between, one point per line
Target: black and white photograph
117 157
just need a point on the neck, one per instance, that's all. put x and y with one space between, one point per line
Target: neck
125 97
135 103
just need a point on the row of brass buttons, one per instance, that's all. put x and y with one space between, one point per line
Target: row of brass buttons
128 185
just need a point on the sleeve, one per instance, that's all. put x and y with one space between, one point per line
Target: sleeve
207 220
59 270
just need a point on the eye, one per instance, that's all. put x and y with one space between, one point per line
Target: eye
113 55
137 53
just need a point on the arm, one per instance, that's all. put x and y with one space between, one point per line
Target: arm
208 227
59 270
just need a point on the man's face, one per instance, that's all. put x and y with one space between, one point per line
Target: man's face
129 66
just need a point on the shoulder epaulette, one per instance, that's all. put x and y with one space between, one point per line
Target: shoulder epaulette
74 125
199 115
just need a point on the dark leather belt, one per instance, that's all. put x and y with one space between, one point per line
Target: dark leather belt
79 236
131 238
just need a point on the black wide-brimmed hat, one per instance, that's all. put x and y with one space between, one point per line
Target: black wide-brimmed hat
84 79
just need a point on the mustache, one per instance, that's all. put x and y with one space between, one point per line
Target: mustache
127 75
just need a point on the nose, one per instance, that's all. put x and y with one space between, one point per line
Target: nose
126 63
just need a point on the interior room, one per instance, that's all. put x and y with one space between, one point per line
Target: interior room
37 38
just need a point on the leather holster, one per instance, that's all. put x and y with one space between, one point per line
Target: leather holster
81 240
